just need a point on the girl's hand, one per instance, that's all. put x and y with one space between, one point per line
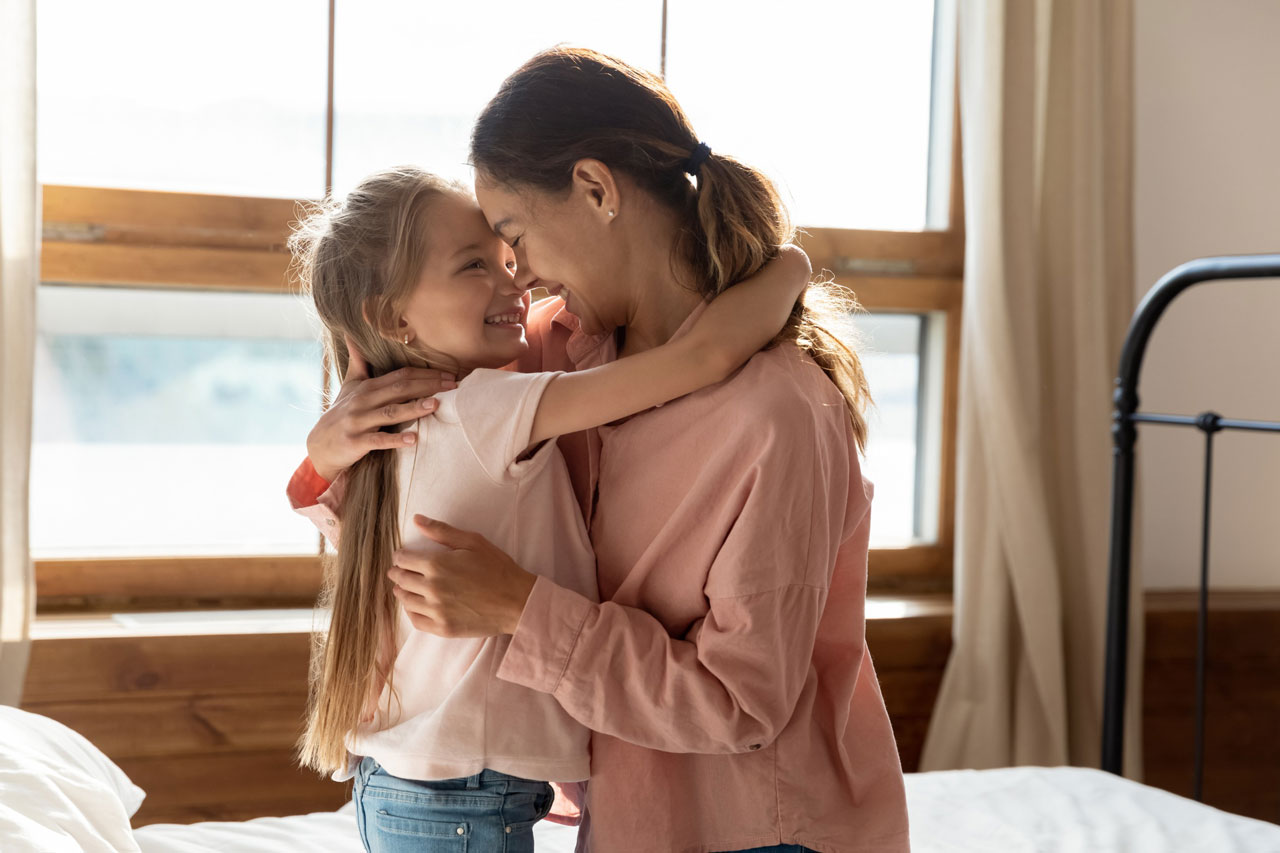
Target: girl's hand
472 589
352 426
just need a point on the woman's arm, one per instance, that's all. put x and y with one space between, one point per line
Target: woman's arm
730 683
734 327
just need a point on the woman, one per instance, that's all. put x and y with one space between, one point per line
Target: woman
724 673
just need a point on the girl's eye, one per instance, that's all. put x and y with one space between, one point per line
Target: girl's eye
476 264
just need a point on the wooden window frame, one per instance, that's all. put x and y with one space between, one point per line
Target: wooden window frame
141 238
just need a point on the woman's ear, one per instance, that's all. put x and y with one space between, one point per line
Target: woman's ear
594 183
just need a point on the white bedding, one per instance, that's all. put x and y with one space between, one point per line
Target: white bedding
1010 810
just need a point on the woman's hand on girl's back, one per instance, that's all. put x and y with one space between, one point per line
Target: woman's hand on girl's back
352 426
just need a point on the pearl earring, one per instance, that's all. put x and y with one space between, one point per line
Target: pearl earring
611 213
406 340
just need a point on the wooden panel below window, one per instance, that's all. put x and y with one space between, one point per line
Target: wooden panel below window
207 724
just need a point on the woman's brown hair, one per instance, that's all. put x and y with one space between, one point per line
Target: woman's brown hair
358 261
567 104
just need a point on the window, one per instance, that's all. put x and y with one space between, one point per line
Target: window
166 422
215 98
173 170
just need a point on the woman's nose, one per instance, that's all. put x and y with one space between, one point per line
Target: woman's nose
522 281
525 277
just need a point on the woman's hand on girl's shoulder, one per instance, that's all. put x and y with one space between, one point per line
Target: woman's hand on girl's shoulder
352 426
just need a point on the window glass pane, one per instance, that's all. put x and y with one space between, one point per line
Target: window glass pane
410 77
890 352
168 422
832 100
224 97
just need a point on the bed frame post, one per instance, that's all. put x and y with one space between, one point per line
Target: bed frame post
1125 417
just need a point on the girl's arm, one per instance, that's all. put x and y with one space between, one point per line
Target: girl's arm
734 327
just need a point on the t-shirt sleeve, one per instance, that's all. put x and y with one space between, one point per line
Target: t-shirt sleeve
496 409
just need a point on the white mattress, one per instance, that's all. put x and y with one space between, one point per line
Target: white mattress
1010 810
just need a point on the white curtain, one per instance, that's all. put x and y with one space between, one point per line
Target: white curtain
19 270
1046 101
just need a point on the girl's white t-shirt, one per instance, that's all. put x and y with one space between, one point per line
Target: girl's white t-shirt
455 717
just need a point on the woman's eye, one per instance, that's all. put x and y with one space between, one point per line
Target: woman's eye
516 242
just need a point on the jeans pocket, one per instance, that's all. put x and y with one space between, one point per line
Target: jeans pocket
401 834
520 812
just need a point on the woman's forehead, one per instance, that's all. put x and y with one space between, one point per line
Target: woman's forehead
502 206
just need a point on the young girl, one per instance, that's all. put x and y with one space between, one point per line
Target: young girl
407 271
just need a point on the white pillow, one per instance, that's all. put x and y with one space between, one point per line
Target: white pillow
23 733
58 792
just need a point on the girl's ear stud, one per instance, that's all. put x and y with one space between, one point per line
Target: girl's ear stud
406 340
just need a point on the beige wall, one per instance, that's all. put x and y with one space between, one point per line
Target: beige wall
1208 183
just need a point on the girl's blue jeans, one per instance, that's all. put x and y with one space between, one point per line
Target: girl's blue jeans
489 812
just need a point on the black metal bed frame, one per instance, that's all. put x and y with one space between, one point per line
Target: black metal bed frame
1125 418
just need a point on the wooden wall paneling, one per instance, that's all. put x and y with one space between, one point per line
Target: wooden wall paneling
909 655
1242 701
229 786
70 670
206 724
149 726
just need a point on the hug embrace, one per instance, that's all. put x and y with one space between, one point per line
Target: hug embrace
614 540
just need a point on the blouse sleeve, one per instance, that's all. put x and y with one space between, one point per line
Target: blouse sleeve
730 684
316 498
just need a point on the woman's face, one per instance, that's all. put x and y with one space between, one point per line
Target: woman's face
559 244
467 309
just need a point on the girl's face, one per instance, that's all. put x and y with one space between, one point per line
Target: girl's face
467 309
559 245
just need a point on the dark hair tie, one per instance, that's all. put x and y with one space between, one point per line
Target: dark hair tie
697 158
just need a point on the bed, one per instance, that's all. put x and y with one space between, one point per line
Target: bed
59 793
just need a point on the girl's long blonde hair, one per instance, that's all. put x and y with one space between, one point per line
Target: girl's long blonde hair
567 104
358 261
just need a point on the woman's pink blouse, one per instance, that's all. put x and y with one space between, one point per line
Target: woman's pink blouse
725 675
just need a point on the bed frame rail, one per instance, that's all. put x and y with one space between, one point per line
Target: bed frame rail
1125 418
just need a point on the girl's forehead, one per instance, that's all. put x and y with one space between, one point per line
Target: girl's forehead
456 223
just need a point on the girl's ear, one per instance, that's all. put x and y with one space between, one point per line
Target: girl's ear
364 312
595 183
